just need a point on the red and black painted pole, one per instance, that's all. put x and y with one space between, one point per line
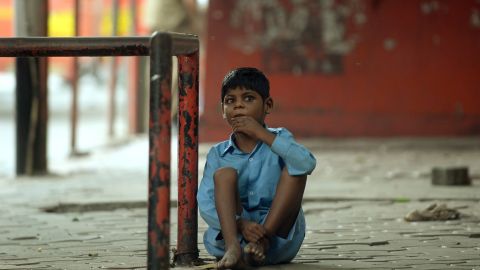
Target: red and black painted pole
159 151
188 72
160 47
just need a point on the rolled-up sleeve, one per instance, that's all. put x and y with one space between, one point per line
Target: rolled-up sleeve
298 159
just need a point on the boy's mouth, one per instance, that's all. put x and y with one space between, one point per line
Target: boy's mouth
238 115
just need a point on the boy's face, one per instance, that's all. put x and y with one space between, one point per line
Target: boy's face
245 102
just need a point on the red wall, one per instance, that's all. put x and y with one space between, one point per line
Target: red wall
400 68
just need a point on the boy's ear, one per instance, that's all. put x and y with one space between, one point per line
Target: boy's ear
223 111
268 105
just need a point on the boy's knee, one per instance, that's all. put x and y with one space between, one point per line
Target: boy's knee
225 173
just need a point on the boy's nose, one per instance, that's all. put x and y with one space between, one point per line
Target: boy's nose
238 104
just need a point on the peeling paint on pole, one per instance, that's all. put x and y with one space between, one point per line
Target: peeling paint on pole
161 47
187 251
159 152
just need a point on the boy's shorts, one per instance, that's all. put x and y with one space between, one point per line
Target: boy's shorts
281 250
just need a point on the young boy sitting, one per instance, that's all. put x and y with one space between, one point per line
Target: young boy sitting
252 187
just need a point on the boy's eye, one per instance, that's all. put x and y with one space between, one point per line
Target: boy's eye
228 101
249 98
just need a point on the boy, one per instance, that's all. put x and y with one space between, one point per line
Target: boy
253 184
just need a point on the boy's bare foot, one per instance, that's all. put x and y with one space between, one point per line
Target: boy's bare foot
255 252
232 259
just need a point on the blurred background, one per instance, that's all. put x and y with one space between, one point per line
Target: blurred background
337 68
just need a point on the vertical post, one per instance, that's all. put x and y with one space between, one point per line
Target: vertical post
159 151
136 85
113 79
188 70
31 92
133 78
74 109
142 94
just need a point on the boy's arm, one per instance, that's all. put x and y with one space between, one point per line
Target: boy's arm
298 159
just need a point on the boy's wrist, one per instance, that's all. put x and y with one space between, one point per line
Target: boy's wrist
267 137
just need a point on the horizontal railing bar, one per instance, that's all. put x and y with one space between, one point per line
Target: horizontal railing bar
73 46
90 46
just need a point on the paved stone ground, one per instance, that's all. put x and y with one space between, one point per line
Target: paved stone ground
354 203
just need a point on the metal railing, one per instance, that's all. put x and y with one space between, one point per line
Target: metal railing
161 46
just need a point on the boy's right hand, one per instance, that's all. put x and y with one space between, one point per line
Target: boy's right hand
252 128
251 231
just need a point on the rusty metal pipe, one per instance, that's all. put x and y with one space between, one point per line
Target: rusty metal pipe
90 46
159 156
187 251
160 47
184 44
74 46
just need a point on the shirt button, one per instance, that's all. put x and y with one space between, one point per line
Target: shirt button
251 193
250 159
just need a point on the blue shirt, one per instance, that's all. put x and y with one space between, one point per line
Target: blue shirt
258 173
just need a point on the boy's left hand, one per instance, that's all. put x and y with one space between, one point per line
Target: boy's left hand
251 231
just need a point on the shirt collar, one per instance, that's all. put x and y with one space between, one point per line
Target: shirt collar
230 145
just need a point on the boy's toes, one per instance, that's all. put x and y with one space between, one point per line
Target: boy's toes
254 254
231 259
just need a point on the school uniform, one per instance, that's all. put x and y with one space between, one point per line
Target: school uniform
258 175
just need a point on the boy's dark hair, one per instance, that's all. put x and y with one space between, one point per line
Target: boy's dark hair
248 78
